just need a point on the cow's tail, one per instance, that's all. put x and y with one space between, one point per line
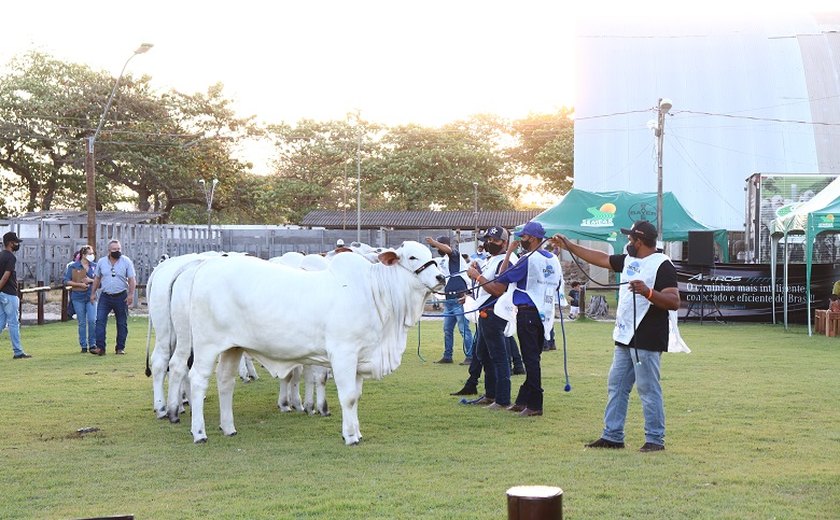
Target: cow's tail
149 330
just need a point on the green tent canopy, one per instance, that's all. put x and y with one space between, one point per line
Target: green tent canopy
585 215
811 218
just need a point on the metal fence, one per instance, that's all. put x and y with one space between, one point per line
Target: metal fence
48 247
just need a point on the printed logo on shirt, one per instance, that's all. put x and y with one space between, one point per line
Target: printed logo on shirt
633 268
548 271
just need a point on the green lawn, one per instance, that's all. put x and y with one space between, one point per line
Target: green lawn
753 419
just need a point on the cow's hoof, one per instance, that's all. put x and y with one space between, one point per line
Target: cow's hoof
161 414
231 434
174 419
202 440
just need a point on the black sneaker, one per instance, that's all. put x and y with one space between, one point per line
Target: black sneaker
518 371
84 351
604 443
649 446
22 355
444 361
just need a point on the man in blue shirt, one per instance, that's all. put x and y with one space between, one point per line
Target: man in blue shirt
453 267
534 279
115 275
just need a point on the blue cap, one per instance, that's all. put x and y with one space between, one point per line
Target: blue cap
533 229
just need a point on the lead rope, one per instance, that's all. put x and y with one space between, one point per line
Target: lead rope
568 387
609 286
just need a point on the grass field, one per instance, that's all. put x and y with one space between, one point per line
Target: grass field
753 417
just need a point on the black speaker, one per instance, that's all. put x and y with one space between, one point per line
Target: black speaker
701 248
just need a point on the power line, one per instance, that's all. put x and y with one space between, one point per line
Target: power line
757 118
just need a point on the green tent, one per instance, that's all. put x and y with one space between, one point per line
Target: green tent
811 218
585 215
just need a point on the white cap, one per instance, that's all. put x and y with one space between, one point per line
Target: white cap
339 243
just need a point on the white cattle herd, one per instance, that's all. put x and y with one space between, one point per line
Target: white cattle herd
299 316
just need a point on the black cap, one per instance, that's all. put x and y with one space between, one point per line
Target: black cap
641 229
443 239
497 232
11 236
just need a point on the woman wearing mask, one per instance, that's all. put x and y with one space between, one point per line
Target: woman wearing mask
79 277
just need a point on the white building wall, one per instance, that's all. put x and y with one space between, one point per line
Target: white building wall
776 71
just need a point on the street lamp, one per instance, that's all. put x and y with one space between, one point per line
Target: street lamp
663 106
90 156
475 215
208 196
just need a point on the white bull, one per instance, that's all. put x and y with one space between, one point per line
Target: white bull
353 317
315 384
158 297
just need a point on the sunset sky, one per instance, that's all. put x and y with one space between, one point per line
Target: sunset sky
427 62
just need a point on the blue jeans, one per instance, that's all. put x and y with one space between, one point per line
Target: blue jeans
86 314
530 331
106 304
492 349
453 312
9 308
624 372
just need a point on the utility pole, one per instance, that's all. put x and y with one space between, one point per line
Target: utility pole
359 176
663 106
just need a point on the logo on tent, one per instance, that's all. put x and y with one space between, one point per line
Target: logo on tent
826 221
601 217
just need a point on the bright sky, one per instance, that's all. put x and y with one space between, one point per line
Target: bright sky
428 62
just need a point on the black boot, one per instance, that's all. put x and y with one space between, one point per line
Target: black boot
467 390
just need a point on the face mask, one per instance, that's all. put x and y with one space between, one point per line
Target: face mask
90 258
493 249
15 247
116 255
631 249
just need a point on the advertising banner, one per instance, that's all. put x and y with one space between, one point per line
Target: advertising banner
743 292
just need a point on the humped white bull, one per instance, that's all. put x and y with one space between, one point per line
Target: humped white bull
159 294
354 317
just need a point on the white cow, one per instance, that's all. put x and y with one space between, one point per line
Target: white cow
158 296
353 317
291 259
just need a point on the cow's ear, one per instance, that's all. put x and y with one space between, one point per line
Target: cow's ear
389 257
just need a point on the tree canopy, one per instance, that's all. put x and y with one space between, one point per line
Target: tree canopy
155 147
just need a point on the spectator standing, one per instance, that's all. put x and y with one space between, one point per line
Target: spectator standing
574 300
115 275
453 267
79 276
648 292
9 299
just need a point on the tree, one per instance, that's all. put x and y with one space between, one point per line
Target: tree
151 151
546 148
45 113
315 166
418 168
